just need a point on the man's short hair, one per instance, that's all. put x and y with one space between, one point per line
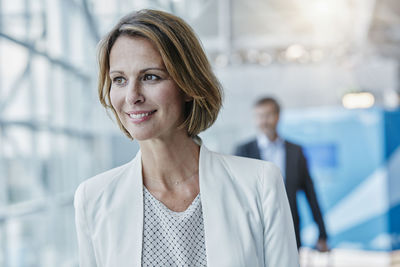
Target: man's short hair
268 100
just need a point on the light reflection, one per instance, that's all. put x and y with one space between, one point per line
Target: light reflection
358 100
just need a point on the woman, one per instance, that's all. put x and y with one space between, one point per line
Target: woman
176 203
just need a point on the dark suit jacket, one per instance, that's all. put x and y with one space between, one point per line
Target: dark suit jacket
297 178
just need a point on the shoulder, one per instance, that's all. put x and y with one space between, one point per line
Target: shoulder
247 143
248 171
292 146
96 185
247 149
253 181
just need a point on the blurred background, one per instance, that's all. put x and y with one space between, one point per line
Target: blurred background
332 64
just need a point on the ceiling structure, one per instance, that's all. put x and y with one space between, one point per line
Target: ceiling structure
384 32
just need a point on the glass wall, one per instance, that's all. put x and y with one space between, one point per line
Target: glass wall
50 139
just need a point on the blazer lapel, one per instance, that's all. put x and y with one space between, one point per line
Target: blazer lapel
222 246
130 217
288 164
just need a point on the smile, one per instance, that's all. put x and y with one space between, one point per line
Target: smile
141 115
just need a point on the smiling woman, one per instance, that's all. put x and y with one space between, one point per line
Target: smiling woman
183 60
176 203
146 99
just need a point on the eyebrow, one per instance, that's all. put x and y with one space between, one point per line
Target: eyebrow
141 71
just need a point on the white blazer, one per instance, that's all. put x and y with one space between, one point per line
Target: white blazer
247 221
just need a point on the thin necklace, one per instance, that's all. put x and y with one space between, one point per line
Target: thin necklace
175 182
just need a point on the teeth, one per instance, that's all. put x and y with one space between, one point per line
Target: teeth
138 116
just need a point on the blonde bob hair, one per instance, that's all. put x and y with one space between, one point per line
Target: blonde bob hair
183 57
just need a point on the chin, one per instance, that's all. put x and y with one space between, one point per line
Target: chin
138 134
141 136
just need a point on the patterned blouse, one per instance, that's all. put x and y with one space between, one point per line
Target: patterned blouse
172 238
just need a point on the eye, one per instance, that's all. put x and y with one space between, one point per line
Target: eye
150 77
119 80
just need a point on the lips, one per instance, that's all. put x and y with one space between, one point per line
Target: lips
140 116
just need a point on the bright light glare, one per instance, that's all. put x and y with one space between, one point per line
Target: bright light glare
322 8
319 10
295 52
358 100
329 20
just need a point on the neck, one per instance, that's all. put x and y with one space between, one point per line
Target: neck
272 136
167 163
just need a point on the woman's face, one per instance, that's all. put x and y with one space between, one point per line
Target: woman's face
147 101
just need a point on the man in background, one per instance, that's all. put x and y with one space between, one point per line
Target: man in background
289 157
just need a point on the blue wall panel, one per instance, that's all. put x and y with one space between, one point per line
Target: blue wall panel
354 158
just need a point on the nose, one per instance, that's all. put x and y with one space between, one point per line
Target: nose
134 94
